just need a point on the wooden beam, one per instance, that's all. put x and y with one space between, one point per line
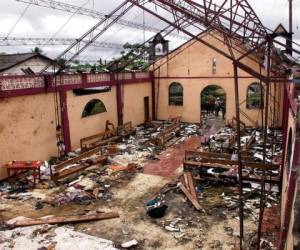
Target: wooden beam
191 185
77 159
185 182
65 173
227 164
190 197
66 219
211 155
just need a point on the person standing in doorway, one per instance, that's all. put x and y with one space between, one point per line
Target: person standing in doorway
211 103
223 109
217 106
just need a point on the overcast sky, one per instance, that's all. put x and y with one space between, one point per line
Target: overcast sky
43 22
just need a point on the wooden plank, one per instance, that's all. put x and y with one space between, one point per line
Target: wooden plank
66 219
250 141
212 155
175 119
191 185
104 141
273 180
206 165
226 162
190 197
77 159
185 183
167 134
65 173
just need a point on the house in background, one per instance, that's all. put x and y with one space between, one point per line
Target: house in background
23 63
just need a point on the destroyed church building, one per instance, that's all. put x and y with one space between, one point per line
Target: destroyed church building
217 119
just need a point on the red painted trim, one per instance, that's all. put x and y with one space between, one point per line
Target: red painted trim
49 85
65 120
85 85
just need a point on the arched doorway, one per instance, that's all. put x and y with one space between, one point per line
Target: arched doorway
213 103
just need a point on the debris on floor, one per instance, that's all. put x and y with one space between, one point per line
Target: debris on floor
51 237
183 190
91 216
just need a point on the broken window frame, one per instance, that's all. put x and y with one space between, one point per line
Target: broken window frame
93 107
259 95
175 94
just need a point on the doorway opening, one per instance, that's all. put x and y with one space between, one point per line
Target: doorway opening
213 103
146 109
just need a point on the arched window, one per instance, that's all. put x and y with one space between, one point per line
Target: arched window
93 107
159 49
255 96
175 94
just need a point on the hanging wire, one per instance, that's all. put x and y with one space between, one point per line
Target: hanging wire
19 19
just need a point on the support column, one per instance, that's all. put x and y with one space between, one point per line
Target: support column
265 136
153 92
118 84
240 166
65 120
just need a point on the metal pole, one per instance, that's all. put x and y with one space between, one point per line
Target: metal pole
240 166
291 16
262 197
290 36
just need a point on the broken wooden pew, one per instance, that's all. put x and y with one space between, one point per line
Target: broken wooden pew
175 119
65 219
166 135
99 139
227 164
62 172
201 160
223 160
108 136
192 154
125 130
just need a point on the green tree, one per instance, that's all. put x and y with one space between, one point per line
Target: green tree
132 56
37 50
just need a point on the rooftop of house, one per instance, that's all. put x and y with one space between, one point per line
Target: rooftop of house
8 61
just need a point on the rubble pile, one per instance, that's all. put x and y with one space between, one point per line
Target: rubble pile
124 159
221 141
51 237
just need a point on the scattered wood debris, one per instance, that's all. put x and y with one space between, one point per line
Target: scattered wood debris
65 219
